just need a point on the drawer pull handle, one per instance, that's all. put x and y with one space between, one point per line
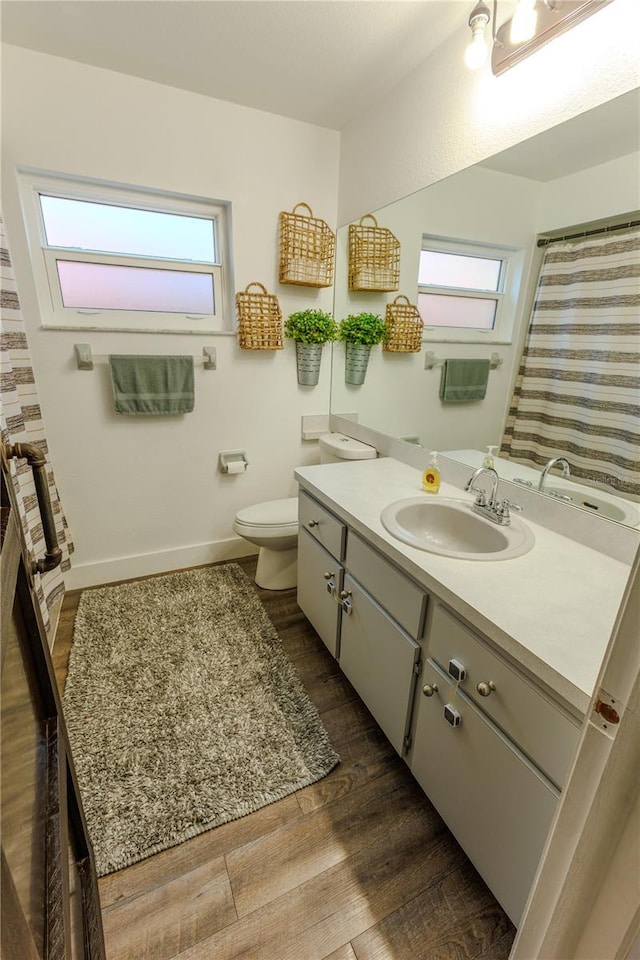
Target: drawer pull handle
345 602
486 688
312 523
451 715
429 689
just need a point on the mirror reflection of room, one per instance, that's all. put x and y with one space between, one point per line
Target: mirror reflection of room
554 310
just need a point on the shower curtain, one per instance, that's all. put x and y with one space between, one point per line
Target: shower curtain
21 422
577 393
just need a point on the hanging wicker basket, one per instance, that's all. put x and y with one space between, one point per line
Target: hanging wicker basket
374 257
404 327
259 319
307 249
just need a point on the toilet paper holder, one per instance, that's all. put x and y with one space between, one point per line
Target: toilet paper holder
232 461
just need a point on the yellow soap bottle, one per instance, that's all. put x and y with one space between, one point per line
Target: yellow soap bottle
431 476
488 457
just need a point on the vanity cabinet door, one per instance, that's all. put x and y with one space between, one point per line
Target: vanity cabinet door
495 802
320 578
378 658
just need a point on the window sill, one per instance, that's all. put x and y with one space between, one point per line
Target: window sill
95 329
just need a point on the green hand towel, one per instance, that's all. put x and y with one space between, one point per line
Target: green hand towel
152 385
464 380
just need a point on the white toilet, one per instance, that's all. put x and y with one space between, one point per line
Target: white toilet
273 525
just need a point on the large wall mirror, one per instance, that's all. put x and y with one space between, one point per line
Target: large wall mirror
580 175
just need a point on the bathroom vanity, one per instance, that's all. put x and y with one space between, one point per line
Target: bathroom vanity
479 673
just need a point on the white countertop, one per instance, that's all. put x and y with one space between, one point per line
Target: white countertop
551 610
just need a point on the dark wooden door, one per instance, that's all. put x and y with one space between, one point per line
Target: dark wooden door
49 898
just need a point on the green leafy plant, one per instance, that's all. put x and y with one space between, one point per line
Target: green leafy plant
367 328
311 326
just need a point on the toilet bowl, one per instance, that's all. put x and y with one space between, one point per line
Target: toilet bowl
273 527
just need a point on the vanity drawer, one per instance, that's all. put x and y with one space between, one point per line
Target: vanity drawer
405 601
541 730
322 525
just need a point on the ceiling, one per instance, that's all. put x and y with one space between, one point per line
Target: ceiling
604 133
319 61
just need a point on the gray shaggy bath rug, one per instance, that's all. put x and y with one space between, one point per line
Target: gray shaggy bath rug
183 712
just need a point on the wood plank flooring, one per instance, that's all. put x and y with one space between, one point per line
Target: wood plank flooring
356 867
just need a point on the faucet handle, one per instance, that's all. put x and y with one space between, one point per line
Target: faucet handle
504 507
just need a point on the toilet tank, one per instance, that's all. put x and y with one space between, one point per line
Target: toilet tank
335 447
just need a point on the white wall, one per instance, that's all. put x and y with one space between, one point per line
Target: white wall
143 495
604 191
443 117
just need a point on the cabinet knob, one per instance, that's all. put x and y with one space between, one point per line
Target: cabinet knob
312 523
429 689
328 576
345 594
486 688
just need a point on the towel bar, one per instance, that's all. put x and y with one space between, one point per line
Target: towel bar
85 358
431 361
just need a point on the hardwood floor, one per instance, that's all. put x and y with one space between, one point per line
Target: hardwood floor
358 866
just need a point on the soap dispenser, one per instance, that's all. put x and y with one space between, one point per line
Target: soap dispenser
431 476
488 457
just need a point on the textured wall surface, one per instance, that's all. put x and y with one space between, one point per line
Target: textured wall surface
443 117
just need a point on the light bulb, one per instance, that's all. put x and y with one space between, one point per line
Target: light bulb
476 53
523 24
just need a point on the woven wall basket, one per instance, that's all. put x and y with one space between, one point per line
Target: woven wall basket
259 319
374 257
404 327
307 249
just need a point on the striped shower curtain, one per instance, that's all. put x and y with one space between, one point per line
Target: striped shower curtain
21 422
577 393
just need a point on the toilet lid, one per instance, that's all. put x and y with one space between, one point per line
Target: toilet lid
271 513
347 448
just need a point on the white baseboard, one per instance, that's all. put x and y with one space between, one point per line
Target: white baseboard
146 564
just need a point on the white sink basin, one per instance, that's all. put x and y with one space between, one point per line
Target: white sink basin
592 500
450 528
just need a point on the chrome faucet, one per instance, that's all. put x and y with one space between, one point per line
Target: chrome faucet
492 509
554 462
481 499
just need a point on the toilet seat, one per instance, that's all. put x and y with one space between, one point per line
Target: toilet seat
272 518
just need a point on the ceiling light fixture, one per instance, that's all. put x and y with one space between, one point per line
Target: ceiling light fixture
534 23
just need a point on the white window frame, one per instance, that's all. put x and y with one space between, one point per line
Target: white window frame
56 316
511 273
